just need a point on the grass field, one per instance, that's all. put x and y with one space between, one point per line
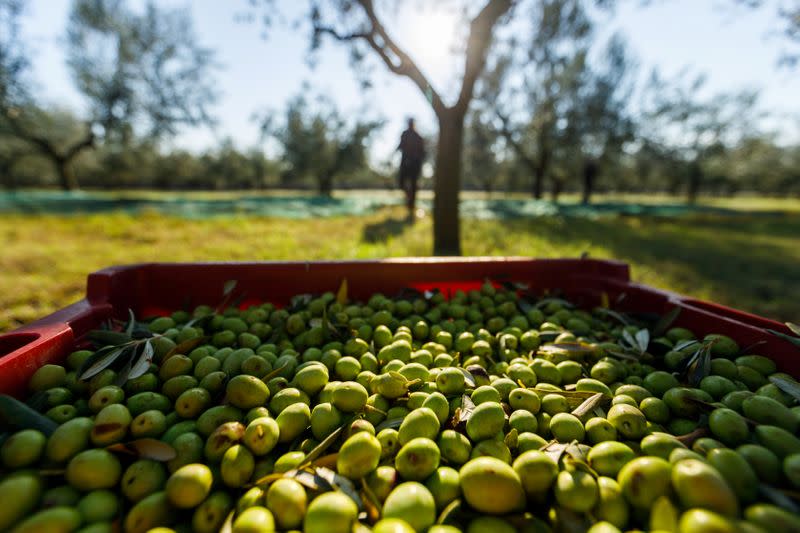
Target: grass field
746 261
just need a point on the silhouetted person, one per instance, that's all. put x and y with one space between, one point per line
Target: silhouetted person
412 149
589 177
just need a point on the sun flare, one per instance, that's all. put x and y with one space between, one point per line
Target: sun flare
432 36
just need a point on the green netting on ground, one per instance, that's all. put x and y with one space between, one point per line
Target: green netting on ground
304 206
299 206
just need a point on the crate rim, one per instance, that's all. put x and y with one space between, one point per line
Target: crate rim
58 331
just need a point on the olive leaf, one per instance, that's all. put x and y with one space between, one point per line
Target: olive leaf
468 377
15 414
479 371
660 346
569 521
790 387
638 342
684 344
566 348
320 448
409 293
341 294
38 401
184 347
297 475
328 461
228 286
549 335
575 453
104 337
137 363
784 336
577 460
702 404
524 305
142 364
145 448
698 365
748 348
795 328
589 405
100 360
554 450
332 331
777 497
274 373
691 437
643 340
131 325
545 301
513 286
574 396
371 502
55 472
278 333
463 413
341 483
619 317
666 321
122 375
299 302
511 439
132 329
227 526
451 513
373 409
622 355
430 293
394 423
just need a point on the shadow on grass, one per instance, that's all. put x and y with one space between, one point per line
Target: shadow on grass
746 262
379 232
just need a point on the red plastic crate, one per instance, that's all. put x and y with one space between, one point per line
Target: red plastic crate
158 288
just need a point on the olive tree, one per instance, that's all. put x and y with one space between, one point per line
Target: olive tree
365 26
320 143
136 70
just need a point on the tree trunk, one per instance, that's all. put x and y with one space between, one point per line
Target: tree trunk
326 185
66 178
541 167
447 183
589 175
695 177
556 191
538 182
6 171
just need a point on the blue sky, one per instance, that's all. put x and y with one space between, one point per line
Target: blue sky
732 45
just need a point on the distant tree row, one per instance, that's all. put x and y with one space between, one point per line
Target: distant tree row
144 166
338 160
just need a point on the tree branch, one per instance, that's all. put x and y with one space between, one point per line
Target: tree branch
400 63
508 135
45 145
86 142
380 41
480 37
327 30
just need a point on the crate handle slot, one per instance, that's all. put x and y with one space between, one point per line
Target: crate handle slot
14 341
